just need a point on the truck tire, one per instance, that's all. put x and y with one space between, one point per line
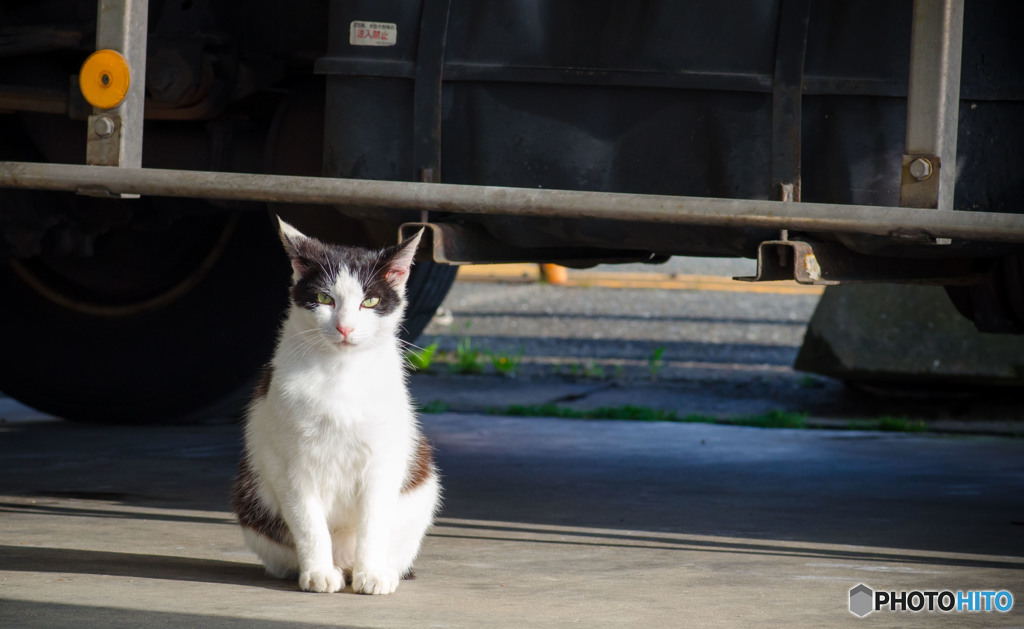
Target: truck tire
997 305
182 348
428 285
156 346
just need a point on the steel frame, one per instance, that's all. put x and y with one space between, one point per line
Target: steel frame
910 224
926 213
933 104
115 135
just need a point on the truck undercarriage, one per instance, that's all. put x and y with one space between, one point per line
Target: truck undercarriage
834 142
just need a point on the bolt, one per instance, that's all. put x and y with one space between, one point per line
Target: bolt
103 126
920 169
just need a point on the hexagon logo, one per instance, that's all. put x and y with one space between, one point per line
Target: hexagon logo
861 598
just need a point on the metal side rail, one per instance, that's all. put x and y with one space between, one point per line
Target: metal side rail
895 222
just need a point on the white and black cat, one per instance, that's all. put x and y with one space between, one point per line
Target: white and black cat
336 479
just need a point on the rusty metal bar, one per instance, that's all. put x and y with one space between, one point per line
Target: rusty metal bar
896 222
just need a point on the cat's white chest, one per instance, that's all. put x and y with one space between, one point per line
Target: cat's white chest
328 424
340 413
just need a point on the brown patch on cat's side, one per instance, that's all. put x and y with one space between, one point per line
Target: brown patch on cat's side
263 384
421 467
252 512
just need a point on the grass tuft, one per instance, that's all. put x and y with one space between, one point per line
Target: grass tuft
900 424
437 406
420 359
771 419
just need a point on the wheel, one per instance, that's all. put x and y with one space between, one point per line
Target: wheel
163 321
427 287
997 305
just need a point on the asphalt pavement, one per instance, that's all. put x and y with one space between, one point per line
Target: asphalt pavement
680 337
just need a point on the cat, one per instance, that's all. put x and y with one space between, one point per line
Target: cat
337 483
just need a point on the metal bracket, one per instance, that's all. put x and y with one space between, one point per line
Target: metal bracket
827 263
787 95
787 260
933 104
427 91
103 141
115 135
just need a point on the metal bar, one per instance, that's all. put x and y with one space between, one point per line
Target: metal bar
903 223
813 85
473 71
791 45
933 103
47 101
427 91
115 135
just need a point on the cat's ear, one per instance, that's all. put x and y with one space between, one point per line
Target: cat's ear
400 260
293 241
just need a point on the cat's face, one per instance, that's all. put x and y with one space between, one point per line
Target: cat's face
347 297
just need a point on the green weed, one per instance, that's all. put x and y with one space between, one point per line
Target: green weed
506 364
810 382
889 423
772 419
467 359
900 424
637 413
437 406
654 362
420 358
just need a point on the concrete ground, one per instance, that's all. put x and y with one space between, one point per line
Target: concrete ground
552 523
547 523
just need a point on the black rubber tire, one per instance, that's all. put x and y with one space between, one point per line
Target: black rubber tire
428 285
179 361
192 358
997 305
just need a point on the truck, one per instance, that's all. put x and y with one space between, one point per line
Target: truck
148 144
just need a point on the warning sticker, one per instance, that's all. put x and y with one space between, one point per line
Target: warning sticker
372 33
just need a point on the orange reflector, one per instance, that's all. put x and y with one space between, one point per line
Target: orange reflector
104 79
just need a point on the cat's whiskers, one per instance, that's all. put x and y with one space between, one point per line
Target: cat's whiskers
301 342
403 344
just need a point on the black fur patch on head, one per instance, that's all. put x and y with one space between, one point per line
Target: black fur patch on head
322 263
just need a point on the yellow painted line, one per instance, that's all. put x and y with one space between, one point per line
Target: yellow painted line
499 273
529 273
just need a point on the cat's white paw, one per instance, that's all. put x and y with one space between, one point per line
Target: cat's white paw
330 580
377 581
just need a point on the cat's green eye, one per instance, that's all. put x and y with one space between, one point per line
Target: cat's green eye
325 299
371 302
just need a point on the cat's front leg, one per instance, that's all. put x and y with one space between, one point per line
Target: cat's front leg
317 572
372 574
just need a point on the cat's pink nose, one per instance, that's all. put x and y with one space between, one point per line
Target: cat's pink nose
345 331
